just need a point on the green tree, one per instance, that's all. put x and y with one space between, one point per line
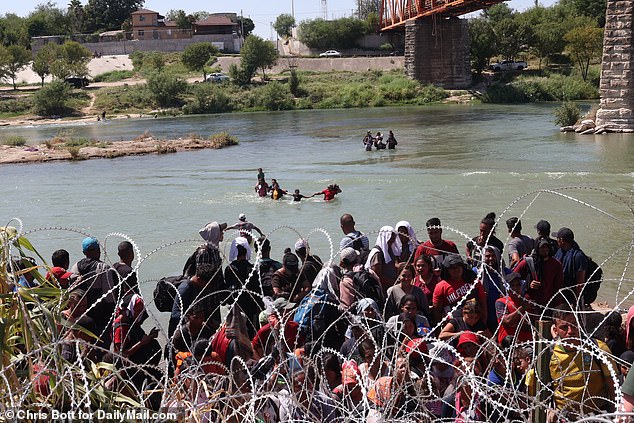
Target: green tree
365 8
512 36
340 33
76 16
166 89
44 58
198 55
245 26
154 61
72 60
47 19
257 53
12 60
548 40
109 14
584 44
13 30
284 24
182 19
483 45
52 99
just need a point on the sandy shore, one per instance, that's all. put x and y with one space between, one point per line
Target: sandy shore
103 150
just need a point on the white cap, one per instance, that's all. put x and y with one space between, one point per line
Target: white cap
301 243
242 216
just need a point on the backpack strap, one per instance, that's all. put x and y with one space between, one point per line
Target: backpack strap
530 262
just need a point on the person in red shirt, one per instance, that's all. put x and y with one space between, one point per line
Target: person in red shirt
511 312
544 275
278 315
435 245
329 193
451 290
61 262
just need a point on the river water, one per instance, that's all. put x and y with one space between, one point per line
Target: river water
457 162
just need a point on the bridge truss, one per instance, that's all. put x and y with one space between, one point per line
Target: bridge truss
394 13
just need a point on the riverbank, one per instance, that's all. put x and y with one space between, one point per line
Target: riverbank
56 150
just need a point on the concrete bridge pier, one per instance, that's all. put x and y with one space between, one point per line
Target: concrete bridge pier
617 65
437 51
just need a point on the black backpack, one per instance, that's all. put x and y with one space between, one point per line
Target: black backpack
166 290
367 286
357 244
594 277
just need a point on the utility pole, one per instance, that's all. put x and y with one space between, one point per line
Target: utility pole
293 8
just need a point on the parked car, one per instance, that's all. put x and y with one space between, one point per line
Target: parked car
76 82
217 77
508 65
330 53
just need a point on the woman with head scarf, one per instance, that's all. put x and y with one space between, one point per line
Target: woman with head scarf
406 242
212 234
382 259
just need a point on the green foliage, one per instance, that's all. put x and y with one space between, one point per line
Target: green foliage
272 96
585 44
44 58
198 55
340 33
12 60
208 98
154 61
366 8
14 140
386 47
137 60
13 30
47 19
257 53
245 26
166 89
283 25
15 106
72 60
109 14
240 75
567 114
293 83
553 88
594 9
114 76
126 99
52 99
483 43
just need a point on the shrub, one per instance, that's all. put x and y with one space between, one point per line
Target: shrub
166 89
15 106
52 99
293 83
430 94
14 140
273 96
113 76
208 98
78 142
222 139
137 60
386 47
567 114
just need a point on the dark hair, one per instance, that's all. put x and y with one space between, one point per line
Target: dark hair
562 311
241 250
489 220
205 271
195 309
405 266
365 346
514 222
434 221
331 362
429 260
472 306
125 247
263 243
60 258
202 348
406 298
346 219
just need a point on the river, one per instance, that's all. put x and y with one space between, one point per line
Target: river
457 162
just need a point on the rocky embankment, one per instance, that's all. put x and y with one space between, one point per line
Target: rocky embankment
587 126
50 151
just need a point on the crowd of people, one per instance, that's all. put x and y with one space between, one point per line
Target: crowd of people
263 189
376 141
397 328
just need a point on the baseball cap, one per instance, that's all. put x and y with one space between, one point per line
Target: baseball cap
290 260
89 243
452 259
349 254
543 226
281 304
301 243
467 337
416 347
242 217
564 233
540 242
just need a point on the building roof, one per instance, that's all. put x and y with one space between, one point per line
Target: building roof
111 33
143 11
215 20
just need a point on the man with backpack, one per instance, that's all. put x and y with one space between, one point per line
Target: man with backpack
190 292
353 238
574 262
543 275
357 282
266 266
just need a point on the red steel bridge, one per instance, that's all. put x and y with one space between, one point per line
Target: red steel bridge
394 13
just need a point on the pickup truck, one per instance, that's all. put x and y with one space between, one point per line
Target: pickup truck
508 65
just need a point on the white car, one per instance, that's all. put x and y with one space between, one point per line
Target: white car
330 53
217 77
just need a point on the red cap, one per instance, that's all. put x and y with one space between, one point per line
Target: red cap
416 347
466 337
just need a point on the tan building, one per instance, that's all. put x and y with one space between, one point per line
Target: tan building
149 25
